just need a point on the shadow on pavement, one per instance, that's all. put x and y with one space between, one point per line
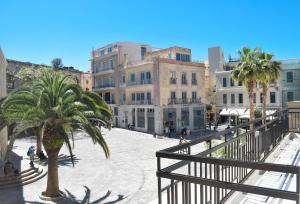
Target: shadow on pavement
62 160
72 199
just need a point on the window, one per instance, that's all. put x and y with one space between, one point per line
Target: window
116 111
232 99
254 97
170 56
240 83
184 97
173 77
138 96
132 77
224 82
173 95
289 77
141 117
133 96
185 117
124 97
194 78
148 96
123 79
224 99
109 50
142 96
148 75
96 68
142 77
183 78
183 57
111 64
272 97
101 52
194 95
231 82
87 81
103 66
261 97
143 52
290 96
240 98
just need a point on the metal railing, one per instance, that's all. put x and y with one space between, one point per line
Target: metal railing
184 100
226 161
140 82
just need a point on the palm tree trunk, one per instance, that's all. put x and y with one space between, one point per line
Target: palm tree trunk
52 189
265 91
251 103
38 141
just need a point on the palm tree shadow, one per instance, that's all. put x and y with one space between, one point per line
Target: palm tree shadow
86 199
63 160
72 199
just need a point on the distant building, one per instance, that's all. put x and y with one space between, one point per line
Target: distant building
290 80
14 66
3 132
231 98
151 89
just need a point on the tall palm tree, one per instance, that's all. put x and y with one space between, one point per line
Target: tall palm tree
61 109
269 71
246 72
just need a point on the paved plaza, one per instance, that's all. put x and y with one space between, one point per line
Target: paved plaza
128 176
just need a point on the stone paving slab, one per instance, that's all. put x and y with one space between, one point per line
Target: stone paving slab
128 176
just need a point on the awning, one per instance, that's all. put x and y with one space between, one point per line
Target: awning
247 114
232 111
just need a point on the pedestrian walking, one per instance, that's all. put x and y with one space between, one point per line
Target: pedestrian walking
30 153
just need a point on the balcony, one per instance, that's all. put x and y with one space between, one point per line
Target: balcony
104 71
104 86
187 172
141 102
141 82
173 80
184 81
184 101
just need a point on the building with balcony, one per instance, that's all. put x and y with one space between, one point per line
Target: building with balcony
3 132
108 68
290 80
231 97
163 89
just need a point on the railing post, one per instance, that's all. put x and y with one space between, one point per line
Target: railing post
298 186
159 181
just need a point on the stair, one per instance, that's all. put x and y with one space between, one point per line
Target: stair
25 177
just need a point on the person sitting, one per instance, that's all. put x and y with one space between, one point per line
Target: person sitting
42 156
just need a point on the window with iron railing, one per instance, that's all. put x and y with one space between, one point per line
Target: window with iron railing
194 79
183 78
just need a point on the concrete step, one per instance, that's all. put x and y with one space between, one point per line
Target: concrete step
28 177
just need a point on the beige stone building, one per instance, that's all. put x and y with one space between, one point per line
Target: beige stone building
164 88
3 132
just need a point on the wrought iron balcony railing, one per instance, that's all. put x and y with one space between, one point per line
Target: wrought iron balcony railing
183 100
141 82
173 80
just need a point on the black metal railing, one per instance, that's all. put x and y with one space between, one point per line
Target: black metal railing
227 159
183 100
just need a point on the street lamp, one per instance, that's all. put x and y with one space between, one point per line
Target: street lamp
238 114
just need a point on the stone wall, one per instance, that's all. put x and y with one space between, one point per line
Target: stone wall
3 133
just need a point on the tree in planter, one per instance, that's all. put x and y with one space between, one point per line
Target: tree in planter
269 70
61 108
246 72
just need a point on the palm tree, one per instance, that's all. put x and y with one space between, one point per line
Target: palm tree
61 109
246 72
269 71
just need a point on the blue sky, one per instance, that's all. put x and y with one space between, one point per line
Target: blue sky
40 30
